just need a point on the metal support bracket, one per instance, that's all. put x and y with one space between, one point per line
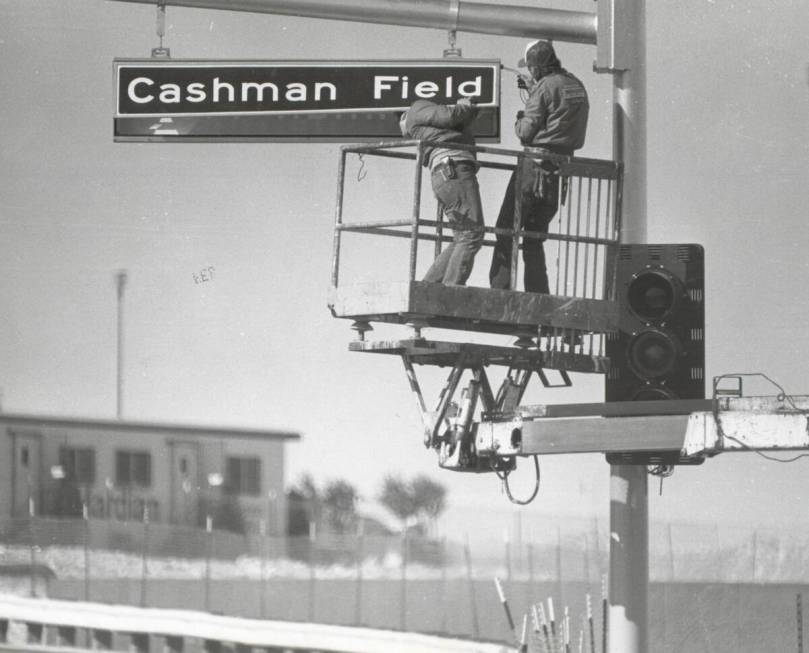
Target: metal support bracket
611 53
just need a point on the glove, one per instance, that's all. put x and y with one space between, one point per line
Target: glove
520 115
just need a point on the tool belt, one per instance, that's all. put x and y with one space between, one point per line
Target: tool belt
446 168
541 180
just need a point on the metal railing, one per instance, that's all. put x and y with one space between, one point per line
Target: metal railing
581 256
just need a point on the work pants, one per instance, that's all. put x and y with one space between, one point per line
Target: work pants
460 197
537 212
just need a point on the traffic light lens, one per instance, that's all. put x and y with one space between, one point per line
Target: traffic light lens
652 295
653 354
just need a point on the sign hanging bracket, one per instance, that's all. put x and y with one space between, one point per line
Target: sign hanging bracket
454 10
160 52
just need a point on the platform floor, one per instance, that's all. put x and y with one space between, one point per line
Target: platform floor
469 308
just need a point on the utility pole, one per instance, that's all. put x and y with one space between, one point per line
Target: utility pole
120 278
629 499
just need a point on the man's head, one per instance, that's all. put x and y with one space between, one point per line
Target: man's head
540 58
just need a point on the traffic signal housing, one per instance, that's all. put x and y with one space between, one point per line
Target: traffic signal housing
658 351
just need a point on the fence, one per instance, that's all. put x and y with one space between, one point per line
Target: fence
439 586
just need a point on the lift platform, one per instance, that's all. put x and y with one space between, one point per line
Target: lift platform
580 252
561 332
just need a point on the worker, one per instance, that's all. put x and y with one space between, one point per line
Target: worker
453 174
554 120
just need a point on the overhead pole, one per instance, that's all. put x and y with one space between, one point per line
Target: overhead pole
619 31
456 15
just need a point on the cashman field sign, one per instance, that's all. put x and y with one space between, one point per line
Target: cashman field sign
185 100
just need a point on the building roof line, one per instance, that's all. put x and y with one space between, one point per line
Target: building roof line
17 419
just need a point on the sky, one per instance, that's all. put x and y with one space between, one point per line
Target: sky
256 347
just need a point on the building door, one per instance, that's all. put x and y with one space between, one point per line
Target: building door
25 471
185 484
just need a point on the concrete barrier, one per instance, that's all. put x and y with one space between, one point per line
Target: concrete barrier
36 623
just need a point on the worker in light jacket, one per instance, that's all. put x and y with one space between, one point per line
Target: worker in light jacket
554 120
453 174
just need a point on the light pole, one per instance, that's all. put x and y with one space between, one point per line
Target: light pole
629 498
120 278
215 480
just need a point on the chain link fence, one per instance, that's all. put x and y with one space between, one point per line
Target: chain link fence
729 577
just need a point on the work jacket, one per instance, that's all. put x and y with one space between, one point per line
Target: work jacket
440 123
555 115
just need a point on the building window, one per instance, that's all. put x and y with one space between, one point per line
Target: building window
79 464
243 476
133 468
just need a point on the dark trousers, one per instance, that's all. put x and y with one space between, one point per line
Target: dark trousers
537 212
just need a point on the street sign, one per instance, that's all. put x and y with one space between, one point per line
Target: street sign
187 100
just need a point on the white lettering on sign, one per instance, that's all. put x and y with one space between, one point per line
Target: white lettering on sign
141 91
382 83
130 90
219 86
400 86
169 93
426 89
195 92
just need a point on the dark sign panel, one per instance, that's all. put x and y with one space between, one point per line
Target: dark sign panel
163 99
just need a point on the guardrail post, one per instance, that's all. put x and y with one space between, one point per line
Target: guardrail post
86 517
144 557
3 630
32 545
312 573
471 581
403 589
359 555
262 599
208 547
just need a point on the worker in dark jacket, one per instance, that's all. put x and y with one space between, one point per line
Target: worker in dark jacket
554 120
453 173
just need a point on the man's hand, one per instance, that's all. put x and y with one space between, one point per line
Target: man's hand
465 101
520 114
525 83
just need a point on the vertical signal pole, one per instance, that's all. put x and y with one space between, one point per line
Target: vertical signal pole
629 509
120 278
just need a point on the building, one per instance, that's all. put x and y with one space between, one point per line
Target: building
130 471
